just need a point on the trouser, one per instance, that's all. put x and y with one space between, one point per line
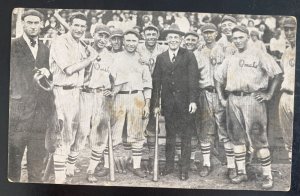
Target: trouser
26 129
67 106
178 123
286 116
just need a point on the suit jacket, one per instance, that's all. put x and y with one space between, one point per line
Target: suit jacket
23 88
176 83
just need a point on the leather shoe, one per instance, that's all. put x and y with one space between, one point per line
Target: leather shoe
267 183
138 172
239 178
91 178
166 171
205 170
231 172
103 172
183 175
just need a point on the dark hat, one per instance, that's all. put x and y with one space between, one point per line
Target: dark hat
149 27
79 15
102 29
229 18
173 29
254 33
209 27
192 33
240 28
116 32
32 13
132 31
289 22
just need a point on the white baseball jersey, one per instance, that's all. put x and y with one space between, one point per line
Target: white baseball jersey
288 65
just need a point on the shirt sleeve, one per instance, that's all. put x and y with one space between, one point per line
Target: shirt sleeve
220 73
147 82
59 52
269 65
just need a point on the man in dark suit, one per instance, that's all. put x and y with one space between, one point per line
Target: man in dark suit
28 102
175 80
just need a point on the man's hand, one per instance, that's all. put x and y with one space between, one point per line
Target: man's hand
146 111
156 111
223 102
107 93
192 108
261 97
45 72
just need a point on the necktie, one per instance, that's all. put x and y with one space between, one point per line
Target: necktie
32 42
173 58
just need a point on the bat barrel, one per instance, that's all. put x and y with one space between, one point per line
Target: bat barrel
155 165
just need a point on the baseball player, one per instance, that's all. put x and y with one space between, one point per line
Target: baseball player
191 42
132 93
148 52
227 24
116 39
28 111
68 59
212 115
286 104
250 77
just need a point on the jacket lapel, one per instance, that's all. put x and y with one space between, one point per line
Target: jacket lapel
178 58
26 50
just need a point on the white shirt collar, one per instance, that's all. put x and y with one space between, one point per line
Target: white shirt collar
26 38
171 52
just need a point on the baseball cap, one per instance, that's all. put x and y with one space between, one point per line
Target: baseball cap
79 15
289 22
229 18
149 27
132 31
209 27
192 33
102 29
32 13
240 28
116 33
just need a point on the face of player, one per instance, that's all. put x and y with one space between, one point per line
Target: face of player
209 36
226 27
240 40
116 43
101 40
130 43
77 28
290 34
32 26
174 40
151 37
191 42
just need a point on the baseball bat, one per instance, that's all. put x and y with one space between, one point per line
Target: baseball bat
155 164
48 168
111 154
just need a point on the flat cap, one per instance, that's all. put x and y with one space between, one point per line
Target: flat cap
241 29
209 27
102 29
229 18
151 27
289 22
116 32
132 31
79 15
32 13
191 33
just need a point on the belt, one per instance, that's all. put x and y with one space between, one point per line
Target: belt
66 87
288 92
92 90
240 93
210 89
128 92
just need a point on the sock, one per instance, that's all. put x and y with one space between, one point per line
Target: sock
106 161
178 147
94 160
240 158
229 154
136 157
59 168
127 149
205 149
265 160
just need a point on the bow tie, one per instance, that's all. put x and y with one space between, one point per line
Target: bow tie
32 42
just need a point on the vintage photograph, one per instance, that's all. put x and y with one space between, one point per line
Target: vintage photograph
151 99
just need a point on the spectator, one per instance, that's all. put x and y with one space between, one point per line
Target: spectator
182 22
255 42
277 44
115 23
94 22
128 20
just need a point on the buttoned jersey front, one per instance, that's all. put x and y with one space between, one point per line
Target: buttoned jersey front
288 65
64 52
247 71
100 70
127 70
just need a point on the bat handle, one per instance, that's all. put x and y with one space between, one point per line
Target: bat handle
111 155
155 164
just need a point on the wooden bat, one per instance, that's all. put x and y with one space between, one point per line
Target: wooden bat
111 154
155 164
47 171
